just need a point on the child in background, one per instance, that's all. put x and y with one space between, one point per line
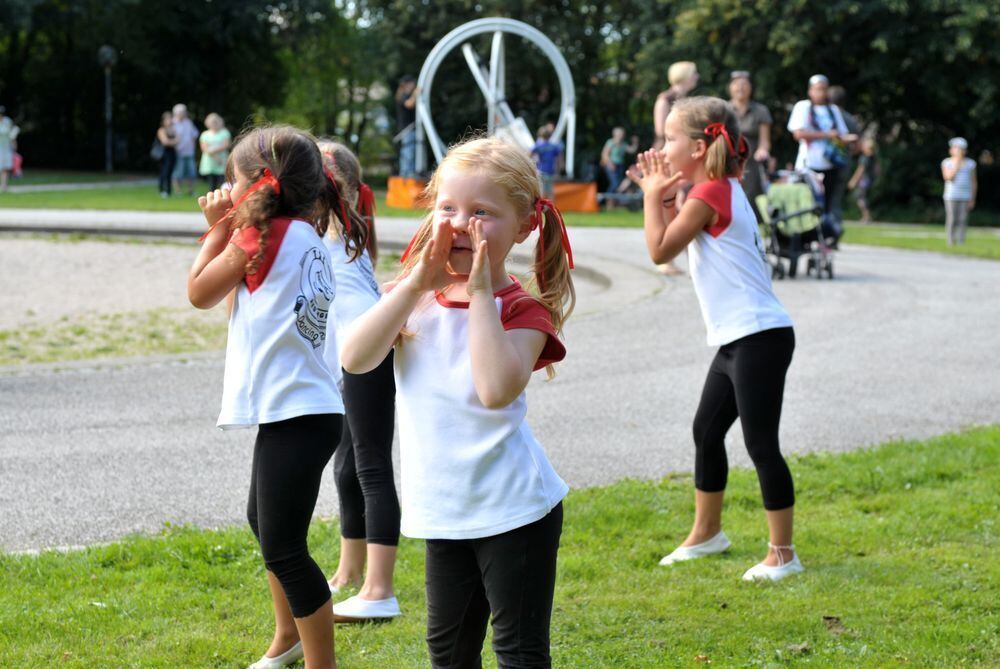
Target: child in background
960 186
614 159
864 176
744 318
467 337
548 158
362 466
265 245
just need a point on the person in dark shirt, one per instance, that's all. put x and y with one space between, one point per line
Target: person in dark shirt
548 157
406 122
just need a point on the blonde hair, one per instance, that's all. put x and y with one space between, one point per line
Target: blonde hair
346 169
513 170
681 71
695 115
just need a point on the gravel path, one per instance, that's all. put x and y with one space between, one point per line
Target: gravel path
902 344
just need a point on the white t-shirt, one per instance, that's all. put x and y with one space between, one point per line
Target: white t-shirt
959 188
731 275
357 291
468 471
823 118
187 137
275 367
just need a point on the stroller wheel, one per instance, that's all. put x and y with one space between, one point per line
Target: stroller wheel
777 269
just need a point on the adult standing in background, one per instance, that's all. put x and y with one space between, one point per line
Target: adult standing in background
755 123
167 138
406 122
683 77
8 144
960 186
837 96
187 139
214 142
822 134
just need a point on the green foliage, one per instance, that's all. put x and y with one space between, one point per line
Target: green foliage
916 71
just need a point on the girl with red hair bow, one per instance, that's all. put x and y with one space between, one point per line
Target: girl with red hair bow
732 280
467 338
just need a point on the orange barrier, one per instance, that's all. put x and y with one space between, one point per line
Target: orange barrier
576 196
405 193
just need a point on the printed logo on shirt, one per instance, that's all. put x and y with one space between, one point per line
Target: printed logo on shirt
312 306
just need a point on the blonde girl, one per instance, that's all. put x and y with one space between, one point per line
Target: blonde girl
362 466
467 336
744 318
265 245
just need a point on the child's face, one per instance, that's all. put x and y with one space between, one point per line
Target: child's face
464 195
618 134
681 151
956 152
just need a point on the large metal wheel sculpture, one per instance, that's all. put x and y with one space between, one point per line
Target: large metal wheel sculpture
492 82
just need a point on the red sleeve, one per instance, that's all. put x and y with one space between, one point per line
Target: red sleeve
717 194
524 312
248 239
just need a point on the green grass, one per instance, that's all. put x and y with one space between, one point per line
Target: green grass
34 177
979 243
899 543
153 332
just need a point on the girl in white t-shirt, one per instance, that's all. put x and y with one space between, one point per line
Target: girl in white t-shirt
744 318
265 247
476 483
362 466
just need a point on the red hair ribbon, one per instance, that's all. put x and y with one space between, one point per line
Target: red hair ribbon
267 179
340 200
713 130
536 222
366 202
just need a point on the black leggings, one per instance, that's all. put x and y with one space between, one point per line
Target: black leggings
167 163
288 461
369 508
746 380
511 575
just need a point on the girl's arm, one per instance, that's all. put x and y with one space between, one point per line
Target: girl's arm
502 361
372 335
220 266
668 232
661 108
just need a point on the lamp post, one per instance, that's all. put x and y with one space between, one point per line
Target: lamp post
107 56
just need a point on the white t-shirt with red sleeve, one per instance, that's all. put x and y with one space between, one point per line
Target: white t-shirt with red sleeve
468 471
731 275
275 367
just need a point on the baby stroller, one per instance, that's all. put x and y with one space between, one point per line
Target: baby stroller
791 214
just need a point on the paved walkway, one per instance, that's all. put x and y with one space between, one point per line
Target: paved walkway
902 344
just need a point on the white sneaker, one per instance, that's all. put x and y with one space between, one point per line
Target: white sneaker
716 544
290 656
355 609
763 572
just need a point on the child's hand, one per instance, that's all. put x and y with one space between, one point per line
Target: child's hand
479 280
432 271
652 174
215 204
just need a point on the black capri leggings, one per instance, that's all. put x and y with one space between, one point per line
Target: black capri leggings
288 461
369 508
746 380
